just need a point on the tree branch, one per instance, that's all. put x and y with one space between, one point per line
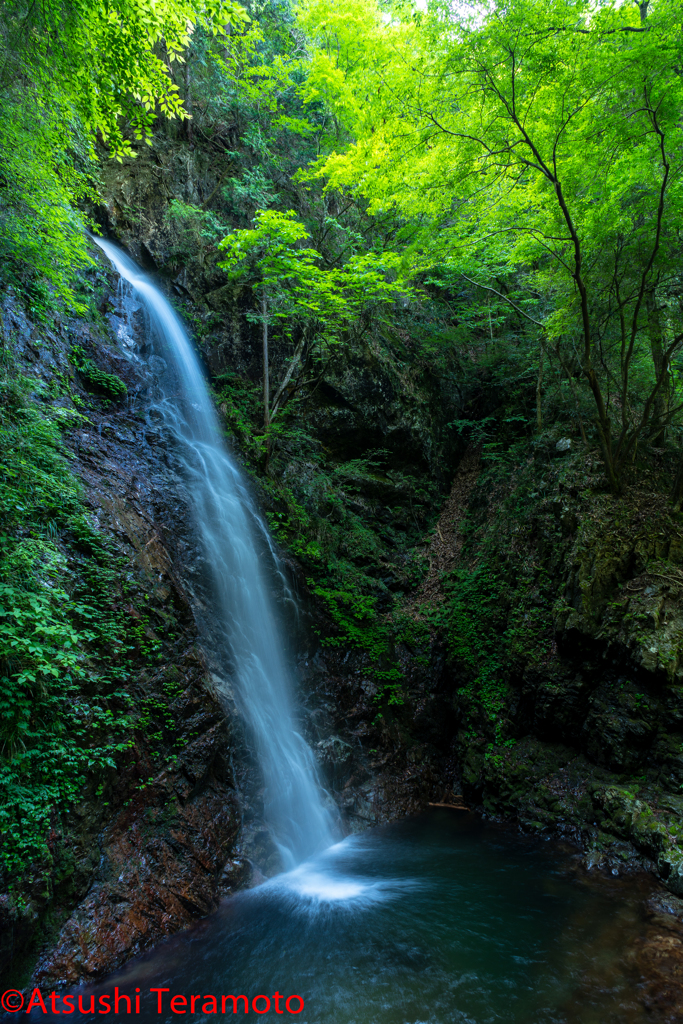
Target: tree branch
648 266
505 299
288 376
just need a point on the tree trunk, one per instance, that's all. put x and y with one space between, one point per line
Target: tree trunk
603 423
659 361
188 96
266 380
167 61
677 489
575 394
539 393
288 376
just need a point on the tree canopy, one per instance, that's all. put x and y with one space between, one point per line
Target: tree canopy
538 148
107 60
323 303
529 153
72 73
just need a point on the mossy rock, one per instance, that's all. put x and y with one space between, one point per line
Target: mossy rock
670 869
107 384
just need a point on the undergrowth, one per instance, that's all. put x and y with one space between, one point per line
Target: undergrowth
64 715
108 384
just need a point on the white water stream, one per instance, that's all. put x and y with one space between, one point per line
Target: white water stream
241 619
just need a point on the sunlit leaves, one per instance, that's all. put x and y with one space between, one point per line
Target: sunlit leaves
468 122
107 61
298 287
534 141
45 172
72 72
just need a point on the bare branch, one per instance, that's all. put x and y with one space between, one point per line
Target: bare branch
505 298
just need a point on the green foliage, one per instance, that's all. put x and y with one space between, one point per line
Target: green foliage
104 60
252 189
536 150
296 293
198 232
289 274
255 85
473 628
97 380
53 736
62 714
272 245
73 73
496 615
46 170
238 400
35 482
415 631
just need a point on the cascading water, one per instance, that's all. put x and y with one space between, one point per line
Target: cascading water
241 620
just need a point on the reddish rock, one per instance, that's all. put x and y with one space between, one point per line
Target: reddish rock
162 859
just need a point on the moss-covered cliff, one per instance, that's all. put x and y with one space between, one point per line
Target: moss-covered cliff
562 624
118 806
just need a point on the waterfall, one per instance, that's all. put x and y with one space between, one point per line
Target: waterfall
241 622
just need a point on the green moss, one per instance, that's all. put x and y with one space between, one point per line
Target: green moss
324 512
97 380
68 643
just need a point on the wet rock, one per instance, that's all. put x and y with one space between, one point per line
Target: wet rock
658 957
665 903
162 860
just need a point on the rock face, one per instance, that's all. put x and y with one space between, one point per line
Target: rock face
659 959
544 684
161 859
603 701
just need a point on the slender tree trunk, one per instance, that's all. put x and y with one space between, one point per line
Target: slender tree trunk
539 393
167 61
575 393
188 96
677 489
605 436
659 360
266 380
288 376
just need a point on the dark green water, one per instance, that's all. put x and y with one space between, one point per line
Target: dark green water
439 919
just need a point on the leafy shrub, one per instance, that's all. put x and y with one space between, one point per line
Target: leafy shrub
46 169
62 719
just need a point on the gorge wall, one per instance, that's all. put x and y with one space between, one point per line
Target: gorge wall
495 629
535 619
